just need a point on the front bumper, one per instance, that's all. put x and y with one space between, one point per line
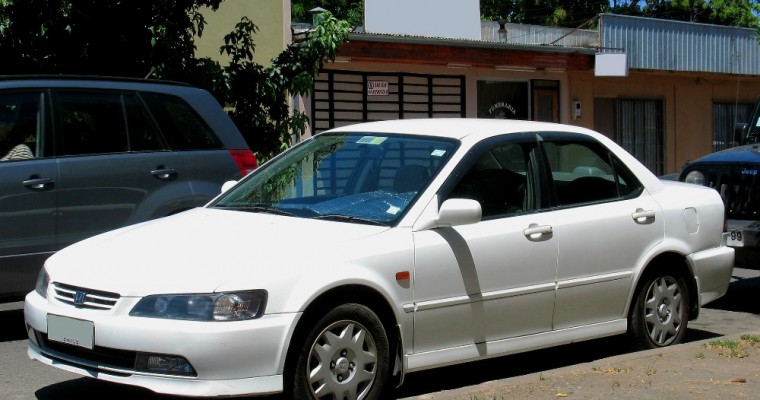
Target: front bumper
229 358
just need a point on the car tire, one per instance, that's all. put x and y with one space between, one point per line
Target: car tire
660 311
344 356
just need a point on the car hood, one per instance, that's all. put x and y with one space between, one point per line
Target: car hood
743 154
200 250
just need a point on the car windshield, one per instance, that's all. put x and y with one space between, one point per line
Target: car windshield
351 177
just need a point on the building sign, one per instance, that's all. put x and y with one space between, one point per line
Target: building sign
503 100
502 110
377 88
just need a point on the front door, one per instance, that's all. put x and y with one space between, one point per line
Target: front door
27 194
491 280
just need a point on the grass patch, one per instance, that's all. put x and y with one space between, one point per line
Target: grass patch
729 348
751 339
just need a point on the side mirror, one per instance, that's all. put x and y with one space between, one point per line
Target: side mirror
455 212
228 185
740 132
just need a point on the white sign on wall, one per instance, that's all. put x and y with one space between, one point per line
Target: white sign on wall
377 88
611 65
430 18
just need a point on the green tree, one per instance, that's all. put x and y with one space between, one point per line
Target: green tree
348 10
571 13
260 96
743 13
106 37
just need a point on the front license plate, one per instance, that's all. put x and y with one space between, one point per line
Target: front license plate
75 332
735 238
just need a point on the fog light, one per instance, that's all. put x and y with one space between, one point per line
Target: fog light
163 364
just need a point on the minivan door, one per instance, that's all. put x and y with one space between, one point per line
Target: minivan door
114 169
27 193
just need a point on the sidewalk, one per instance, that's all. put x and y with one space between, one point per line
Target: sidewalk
725 367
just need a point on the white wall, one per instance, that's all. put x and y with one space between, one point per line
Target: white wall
430 18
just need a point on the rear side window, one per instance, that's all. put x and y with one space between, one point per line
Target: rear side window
182 127
101 123
586 172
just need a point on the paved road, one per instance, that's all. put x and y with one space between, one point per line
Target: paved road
23 379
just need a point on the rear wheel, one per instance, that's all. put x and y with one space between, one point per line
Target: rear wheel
344 357
660 311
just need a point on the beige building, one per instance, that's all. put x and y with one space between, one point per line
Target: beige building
272 17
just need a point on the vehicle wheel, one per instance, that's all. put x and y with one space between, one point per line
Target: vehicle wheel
344 357
660 312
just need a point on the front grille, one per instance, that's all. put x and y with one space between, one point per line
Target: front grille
738 186
84 298
101 356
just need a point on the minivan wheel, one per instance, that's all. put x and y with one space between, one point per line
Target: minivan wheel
660 312
344 357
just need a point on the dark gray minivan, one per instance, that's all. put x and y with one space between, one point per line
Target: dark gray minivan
84 155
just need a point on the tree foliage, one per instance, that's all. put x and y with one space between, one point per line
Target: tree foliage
743 13
106 37
348 10
565 13
260 96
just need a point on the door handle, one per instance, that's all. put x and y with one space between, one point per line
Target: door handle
38 184
164 174
642 216
537 232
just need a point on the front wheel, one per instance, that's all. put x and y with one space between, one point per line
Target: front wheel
344 357
660 312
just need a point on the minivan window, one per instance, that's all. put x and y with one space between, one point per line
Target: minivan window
182 127
20 126
103 122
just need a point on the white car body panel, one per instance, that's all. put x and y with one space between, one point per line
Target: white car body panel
474 291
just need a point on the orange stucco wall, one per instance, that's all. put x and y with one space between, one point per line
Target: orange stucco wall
687 100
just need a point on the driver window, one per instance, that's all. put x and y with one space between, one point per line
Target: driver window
500 181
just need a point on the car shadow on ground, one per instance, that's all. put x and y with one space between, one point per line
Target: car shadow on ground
742 296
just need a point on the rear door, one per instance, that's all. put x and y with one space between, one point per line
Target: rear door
606 222
114 167
207 163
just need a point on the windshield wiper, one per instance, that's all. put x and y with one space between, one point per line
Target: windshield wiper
349 218
256 208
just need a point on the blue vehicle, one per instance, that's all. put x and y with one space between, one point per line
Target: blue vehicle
735 174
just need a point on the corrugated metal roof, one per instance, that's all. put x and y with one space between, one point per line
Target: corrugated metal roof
657 44
410 39
540 35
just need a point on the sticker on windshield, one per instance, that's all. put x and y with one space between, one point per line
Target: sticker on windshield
438 153
393 210
371 140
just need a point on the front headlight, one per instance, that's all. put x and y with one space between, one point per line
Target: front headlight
43 280
695 177
233 306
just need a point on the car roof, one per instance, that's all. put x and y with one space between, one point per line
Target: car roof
458 128
87 81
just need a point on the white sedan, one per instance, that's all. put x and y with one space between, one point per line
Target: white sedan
379 249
